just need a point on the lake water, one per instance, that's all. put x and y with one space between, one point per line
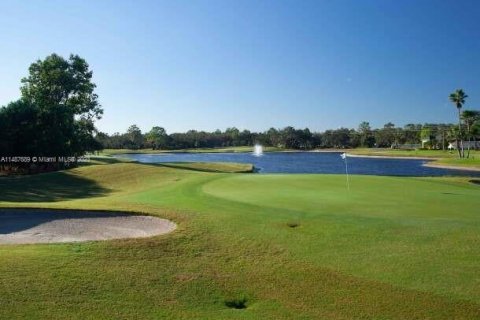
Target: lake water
309 162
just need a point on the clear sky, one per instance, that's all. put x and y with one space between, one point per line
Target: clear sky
255 64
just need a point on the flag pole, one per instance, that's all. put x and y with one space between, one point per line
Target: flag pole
344 157
346 171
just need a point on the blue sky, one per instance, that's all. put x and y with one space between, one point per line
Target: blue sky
255 64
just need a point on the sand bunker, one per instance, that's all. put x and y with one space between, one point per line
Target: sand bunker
48 226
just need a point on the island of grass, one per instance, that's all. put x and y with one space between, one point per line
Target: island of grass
249 246
225 167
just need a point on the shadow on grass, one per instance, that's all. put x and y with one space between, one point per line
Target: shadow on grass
48 187
475 181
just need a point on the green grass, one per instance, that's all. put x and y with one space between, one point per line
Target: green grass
283 246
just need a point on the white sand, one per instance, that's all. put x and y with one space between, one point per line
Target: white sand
20 226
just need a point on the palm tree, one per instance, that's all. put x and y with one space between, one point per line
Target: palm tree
458 98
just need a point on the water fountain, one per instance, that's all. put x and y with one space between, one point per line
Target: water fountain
257 150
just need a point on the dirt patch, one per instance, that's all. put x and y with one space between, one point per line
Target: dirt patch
293 224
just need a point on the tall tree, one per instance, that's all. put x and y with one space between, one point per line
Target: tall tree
157 138
426 136
385 137
366 138
63 92
135 137
458 98
55 115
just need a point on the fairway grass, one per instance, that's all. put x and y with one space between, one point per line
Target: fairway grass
283 246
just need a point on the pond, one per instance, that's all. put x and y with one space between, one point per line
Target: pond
309 162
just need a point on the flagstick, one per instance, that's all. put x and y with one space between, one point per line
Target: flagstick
346 171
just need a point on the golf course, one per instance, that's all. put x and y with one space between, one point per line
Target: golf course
249 246
239 159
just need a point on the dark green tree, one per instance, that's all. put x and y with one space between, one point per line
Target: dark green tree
63 92
18 129
135 137
56 113
385 137
157 138
55 81
366 137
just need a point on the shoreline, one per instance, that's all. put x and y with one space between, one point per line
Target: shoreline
390 157
431 162
446 166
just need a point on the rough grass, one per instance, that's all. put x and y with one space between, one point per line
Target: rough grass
391 248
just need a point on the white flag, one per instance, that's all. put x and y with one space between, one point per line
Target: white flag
344 157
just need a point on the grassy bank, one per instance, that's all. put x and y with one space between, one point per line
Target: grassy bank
284 246
440 157
411 153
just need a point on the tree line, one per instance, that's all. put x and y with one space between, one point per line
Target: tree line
429 135
56 113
